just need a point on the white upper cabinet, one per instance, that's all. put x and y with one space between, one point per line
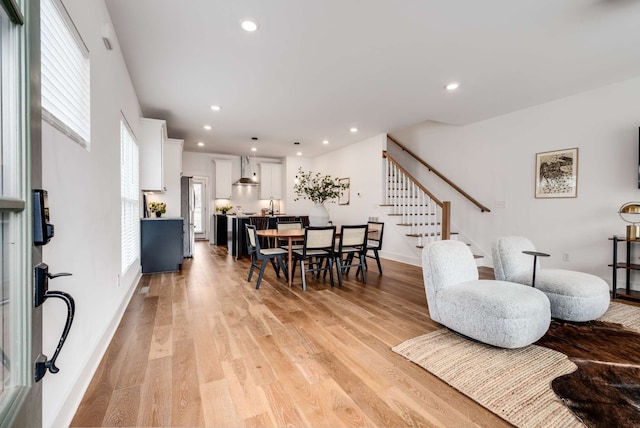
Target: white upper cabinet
172 174
270 180
223 178
152 134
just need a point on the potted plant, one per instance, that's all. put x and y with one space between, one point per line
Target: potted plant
319 189
223 209
158 207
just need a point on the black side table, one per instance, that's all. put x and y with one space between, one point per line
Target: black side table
535 255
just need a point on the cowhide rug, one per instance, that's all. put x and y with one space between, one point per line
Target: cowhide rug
605 389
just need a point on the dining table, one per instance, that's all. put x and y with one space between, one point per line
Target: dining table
290 235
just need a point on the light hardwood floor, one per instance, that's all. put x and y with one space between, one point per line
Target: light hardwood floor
203 347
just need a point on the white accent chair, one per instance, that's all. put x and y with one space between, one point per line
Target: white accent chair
498 313
574 296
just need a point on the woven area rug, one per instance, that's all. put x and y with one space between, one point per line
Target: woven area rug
515 384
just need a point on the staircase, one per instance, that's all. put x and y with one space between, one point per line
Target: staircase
425 217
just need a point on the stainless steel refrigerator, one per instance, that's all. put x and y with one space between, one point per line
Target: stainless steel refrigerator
187 203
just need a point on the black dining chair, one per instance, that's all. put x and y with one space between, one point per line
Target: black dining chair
288 225
261 223
318 246
374 241
263 255
350 251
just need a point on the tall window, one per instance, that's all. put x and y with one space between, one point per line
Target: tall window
65 74
129 196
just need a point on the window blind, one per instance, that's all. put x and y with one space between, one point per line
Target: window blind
129 197
65 74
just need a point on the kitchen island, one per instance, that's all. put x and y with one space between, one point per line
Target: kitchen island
238 232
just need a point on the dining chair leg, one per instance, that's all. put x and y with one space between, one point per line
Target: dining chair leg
362 261
251 270
330 261
339 270
282 265
276 267
262 267
318 266
378 260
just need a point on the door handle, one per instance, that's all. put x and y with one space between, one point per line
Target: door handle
41 294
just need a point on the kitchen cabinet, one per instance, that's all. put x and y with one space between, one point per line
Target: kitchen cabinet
161 244
221 229
239 236
223 178
270 180
172 173
152 134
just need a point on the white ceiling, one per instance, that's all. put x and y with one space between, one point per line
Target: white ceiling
316 68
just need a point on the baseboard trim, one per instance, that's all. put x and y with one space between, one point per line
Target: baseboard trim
82 382
415 261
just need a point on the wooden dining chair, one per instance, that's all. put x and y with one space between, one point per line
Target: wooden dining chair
318 246
262 255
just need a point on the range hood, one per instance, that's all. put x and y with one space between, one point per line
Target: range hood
244 180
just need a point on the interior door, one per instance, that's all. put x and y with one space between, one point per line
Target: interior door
20 332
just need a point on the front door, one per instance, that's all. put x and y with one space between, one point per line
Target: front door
20 323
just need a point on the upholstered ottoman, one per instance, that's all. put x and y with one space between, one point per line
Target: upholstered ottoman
574 296
498 313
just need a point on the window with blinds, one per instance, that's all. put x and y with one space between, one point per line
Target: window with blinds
65 74
129 196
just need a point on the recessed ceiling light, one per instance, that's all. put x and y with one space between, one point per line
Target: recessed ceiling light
200 143
353 130
207 127
249 25
452 86
253 149
215 108
325 142
299 153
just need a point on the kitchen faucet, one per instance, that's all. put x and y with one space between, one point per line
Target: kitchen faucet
270 206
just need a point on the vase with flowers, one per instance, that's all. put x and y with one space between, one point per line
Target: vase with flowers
224 209
158 208
319 189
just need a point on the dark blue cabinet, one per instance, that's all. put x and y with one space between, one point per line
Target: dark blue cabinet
161 244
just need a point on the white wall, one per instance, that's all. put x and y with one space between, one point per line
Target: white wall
84 199
494 161
363 164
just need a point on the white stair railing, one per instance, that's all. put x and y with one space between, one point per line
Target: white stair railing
426 217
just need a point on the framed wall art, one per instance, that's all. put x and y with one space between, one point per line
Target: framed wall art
345 195
557 174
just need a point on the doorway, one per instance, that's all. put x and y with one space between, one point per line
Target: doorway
201 207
